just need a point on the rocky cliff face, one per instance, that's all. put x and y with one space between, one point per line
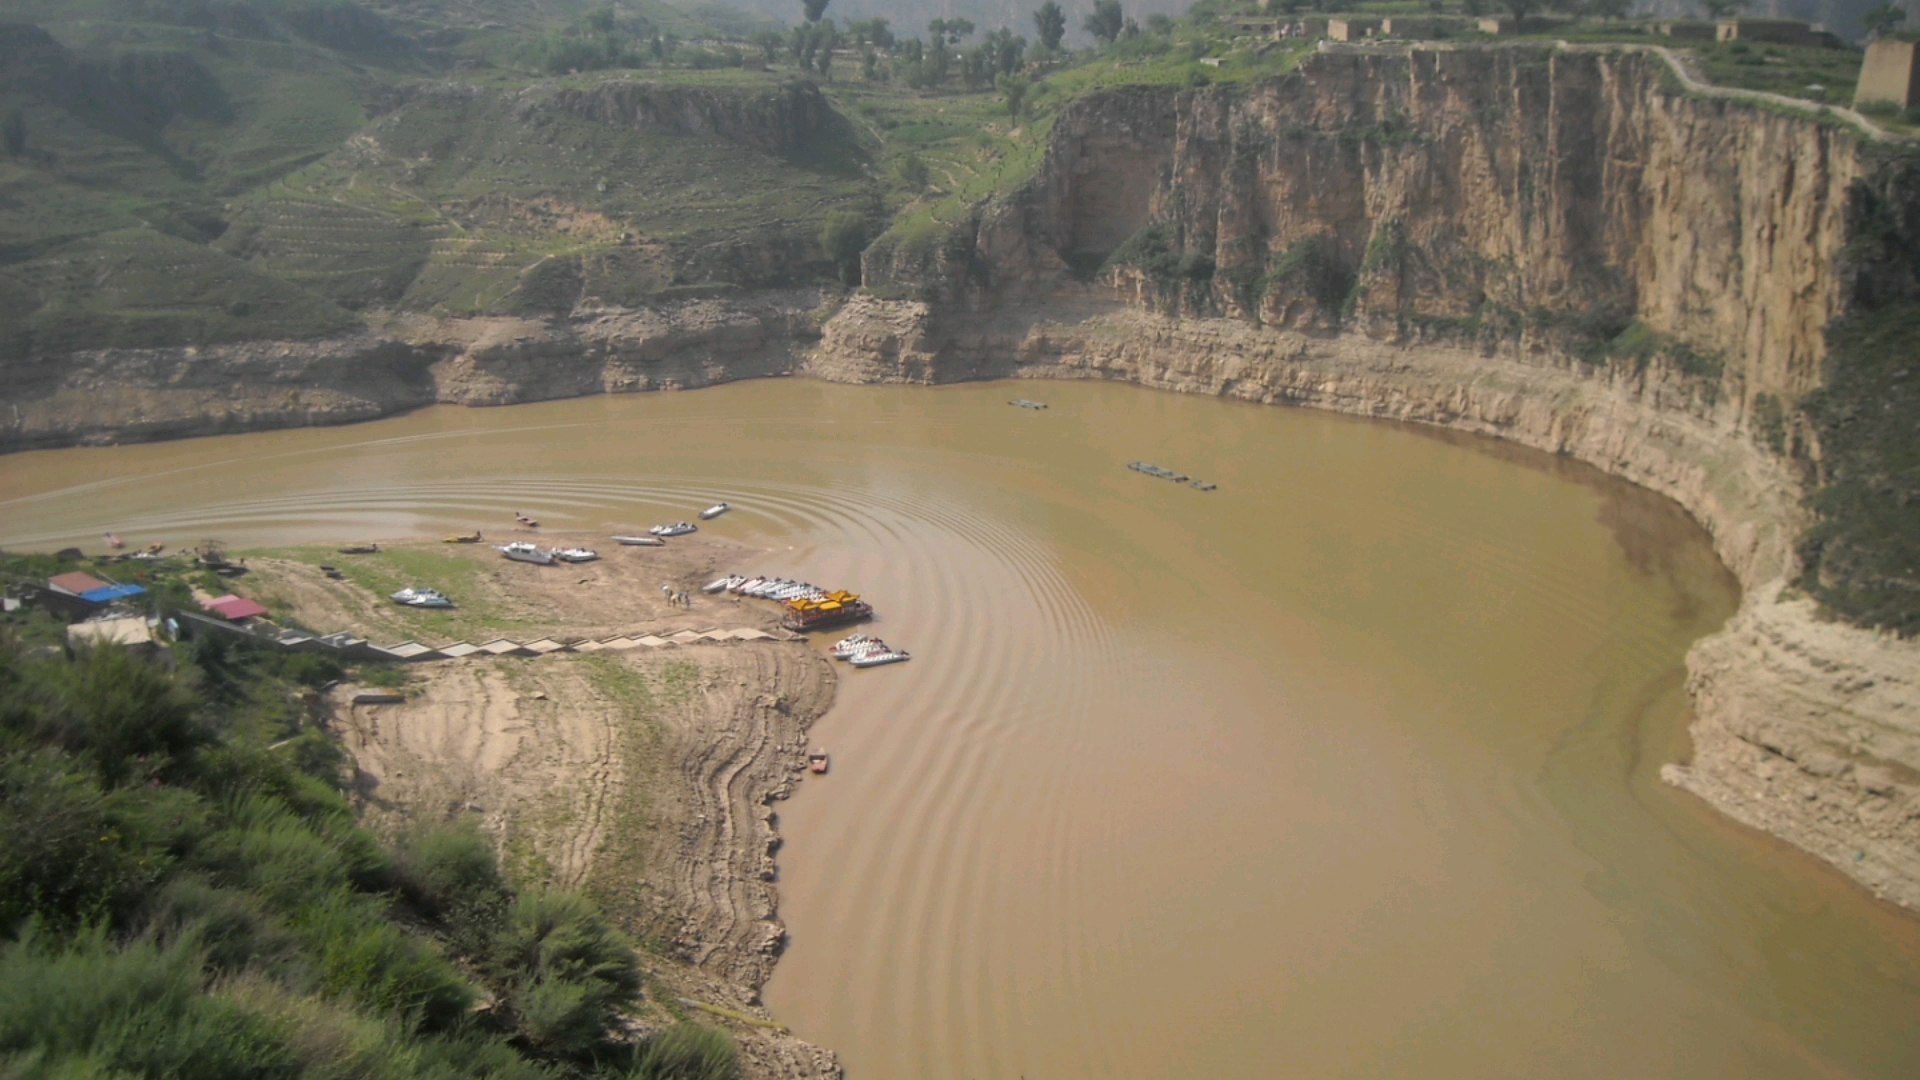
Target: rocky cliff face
1549 194
1551 246
115 395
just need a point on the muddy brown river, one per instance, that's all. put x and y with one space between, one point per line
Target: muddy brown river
1347 769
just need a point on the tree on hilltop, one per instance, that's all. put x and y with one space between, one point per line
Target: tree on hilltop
1881 20
770 42
843 236
1720 9
815 9
950 31
1014 88
1051 23
1106 22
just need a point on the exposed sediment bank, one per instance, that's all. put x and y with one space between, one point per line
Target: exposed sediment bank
645 778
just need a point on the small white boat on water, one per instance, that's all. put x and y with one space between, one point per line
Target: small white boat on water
678 528
575 554
522 551
876 659
640 541
714 511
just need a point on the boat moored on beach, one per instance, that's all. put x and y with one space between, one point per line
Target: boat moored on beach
678 528
714 511
853 646
522 551
464 538
878 659
421 598
640 541
575 554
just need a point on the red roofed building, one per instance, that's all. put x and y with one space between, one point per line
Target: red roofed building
233 608
75 583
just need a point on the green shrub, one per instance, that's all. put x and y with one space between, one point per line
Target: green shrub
843 236
564 971
1311 267
360 954
689 1051
129 717
444 868
1152 250
229 929
71 853
90 1006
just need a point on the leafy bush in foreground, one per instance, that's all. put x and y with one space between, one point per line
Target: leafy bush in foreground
185 893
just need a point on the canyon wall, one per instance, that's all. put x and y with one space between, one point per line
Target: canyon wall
1554 246
121 395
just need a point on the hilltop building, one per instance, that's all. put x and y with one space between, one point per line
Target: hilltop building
1351 29
90 588
1686 29
1890 72
1774 31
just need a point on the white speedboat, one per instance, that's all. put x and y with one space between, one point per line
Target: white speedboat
714 511
522 551
850 642
678 528
876 659
745 588
421 598
859 648
575 554
720 585
640 541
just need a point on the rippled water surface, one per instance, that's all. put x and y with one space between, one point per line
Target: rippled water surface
1349 768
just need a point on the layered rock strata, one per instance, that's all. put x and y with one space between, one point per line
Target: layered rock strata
126 395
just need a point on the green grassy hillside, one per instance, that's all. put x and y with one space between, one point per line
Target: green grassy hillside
184 892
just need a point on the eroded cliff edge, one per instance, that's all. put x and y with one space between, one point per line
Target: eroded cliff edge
1557 247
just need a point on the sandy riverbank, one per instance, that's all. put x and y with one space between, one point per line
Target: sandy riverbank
644 777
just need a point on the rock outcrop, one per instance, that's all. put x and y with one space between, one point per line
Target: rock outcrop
130 395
